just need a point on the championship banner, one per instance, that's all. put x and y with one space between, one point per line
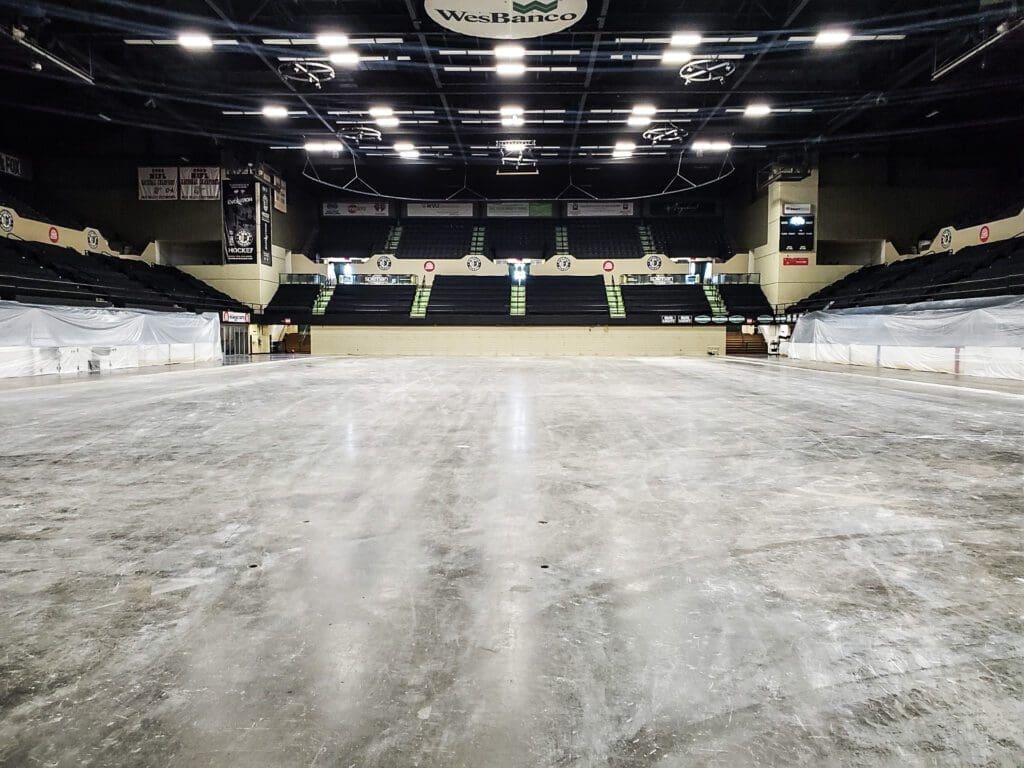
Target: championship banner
241 240
266 225
12 165
439 210
332 210
280 195
581 210
199 182
158 183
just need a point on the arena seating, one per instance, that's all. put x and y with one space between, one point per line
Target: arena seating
293 302
24 204
566 300
365 304
745 299
995 269
649 302
701 237
467 297
435 239
187 291
342 238
604 238
520 238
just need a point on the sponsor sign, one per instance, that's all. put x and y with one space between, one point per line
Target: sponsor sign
669 319
241 239
199 182
280 195
429 266
234 317
12 165
796 261
608 266
266 225
54 235
440 210
583 210
336 209
158 183
506 19
985 234
520 210
797 209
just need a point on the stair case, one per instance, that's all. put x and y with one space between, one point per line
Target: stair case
518 301
718 308
478 244
322 300
615 306
421 302
393 239
561 241
646 240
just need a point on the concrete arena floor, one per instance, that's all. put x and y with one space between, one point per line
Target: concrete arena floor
496 563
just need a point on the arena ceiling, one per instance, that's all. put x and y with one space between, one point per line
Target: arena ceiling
396 88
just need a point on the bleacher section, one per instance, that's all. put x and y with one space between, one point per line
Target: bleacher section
648 303
566 301
344 238
454 299
365 304
604 238
695 238
21 202
745 299
520 238
996 269
292 302
46 274
435 239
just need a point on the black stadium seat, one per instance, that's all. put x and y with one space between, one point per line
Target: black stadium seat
650 302
365 304
435 239
485 297
604 238
566 300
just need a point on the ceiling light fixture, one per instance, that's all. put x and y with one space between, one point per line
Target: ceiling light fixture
317 147
686 39
757 110
344 58
645 110
676 57
404 146
510 69
638 121
711 146
410 154
381 112
509 52
388 122
195 41
275 112
832 38
512 111
332 40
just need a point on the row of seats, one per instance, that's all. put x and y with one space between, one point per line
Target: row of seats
745 299
658 300
463 296
525 238
47 274
994 269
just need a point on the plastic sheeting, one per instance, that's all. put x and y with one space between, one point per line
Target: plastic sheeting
982 337
38 340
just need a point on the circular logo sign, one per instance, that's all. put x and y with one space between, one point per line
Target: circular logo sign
564 264
429 266
244 238
54 235
92 239
474 263
353 209
506 19
654 263
985 234
384 263
609 266
946 238
6 220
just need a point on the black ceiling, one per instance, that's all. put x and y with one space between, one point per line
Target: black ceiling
867 92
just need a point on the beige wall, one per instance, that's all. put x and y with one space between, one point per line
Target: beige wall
39 232
517 341
254 284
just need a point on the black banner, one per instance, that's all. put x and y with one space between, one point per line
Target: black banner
241 240
266 217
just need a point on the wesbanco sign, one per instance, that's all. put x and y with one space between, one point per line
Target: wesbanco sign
506 19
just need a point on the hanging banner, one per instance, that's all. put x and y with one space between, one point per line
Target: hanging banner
520 210
199 182
439 210
506 19
266 224
331 210
158 183
13 165
241 240
280 195
581 210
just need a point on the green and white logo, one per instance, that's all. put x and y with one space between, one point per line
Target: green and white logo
506 19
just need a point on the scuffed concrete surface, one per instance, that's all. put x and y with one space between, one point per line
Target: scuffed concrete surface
745 566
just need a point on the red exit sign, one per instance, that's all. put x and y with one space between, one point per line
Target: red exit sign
796 261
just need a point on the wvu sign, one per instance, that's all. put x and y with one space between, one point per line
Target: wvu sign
506 19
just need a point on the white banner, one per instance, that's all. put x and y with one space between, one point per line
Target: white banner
578 210
280 195
200 182
158 183
439 210
508 210
380 209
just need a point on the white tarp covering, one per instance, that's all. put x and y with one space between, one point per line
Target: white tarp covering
36 340
979 337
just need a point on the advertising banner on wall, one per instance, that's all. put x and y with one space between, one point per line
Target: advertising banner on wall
13 165
241 238
520 210
439 210
280 195
266 225
158 183
581 210
199 182
335 209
